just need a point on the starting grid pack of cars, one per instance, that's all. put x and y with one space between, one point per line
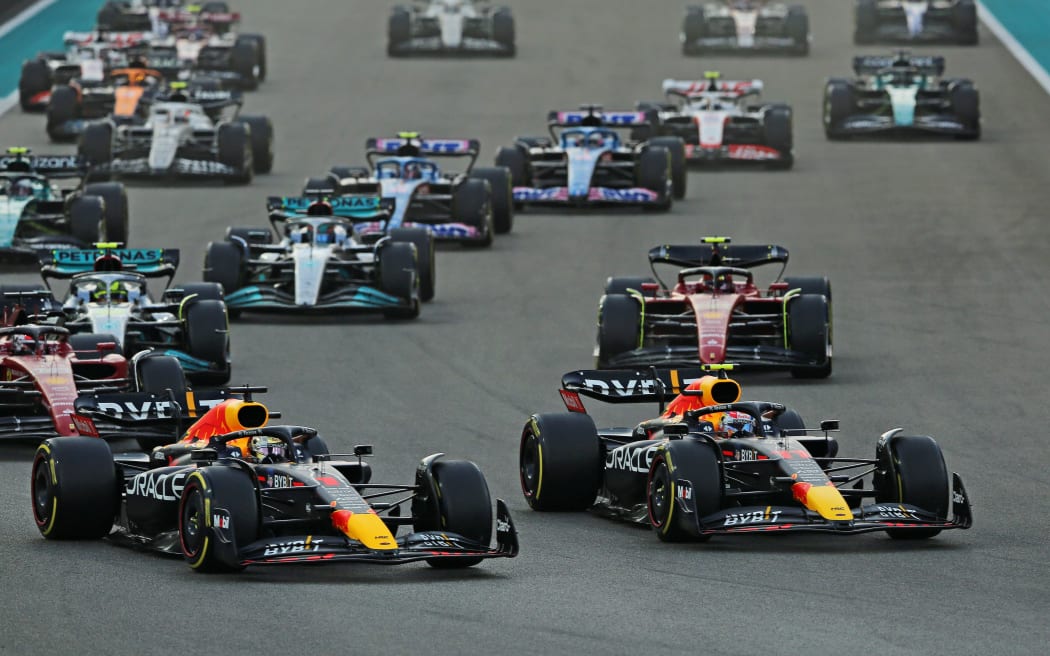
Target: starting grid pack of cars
107 347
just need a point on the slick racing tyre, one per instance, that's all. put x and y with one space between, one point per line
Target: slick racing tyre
156 374
74 488
964 19
260 130
967 107
694 27
809 328
208 338
463 506
810 285
499 179
425 267
218 513
910 469
471 204
63 107
619 327
515 160
777 126
399 29
867 22
560 462
35 79
223 264
839 103
796 27
86 216
250 235
115 196
503 29
235 150
260 51
202 291
652 172
676 147
623 284
245 61
690 461
396 264
96 146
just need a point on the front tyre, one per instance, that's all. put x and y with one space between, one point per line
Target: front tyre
464 506
218 513
74 488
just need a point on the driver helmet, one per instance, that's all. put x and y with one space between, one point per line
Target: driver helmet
22 344
597 140
412 171
332 233
300 235
118 293
724 283
737 424
267 449
23 188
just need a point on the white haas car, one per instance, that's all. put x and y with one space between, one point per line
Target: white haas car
177 140
724 121
745 26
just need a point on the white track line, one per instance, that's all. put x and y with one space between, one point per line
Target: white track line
25 15
1016 49
8 102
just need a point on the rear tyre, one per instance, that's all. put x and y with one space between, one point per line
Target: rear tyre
208 338
839 102
676 147
965 20
796 27
912 471
397 276
399 29
63 107
223 264
260 130
35 79
156 374
86 216
653 171
471 205
779 135
560 462
692 461
503 29
966 105
809 327
694 27
866 22
619 327
463 506
499 180
209 489
621 284
96 146
260 50
425 259
115 196
74 488
810 285
515 160
244 60
235 150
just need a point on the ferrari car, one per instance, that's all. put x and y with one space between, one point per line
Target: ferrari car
711 464
714 312
316 266
587 162
916 21
898 95
39 211
723 121
48 377
180 138
108 293
466 207
450 27
743 26
236 491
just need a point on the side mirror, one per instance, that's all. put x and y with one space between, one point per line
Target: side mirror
829 425
363 450
107 346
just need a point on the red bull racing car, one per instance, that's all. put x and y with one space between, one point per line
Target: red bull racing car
711 464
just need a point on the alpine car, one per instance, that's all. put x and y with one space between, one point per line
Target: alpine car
236 492
181 139
711 464
38 213
723 121
714 313
587 162
467 207
901 94
450 27
916 21
108 294
744 26
316 266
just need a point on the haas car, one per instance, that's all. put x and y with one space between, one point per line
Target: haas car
317 266
450 27
715 313
468 207
40 211
916 21
745 26
587 162
899 95
711 464
723 121
180 138
109 294
236 491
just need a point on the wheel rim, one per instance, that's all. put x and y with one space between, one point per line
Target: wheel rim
41 492
530 466
659 494
191 525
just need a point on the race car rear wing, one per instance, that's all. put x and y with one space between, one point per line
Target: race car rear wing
595 116
150 262
20 160
690 88
650 385
871 64
410 144
720 253
350 207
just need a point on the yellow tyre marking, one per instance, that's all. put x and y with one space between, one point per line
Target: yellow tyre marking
539 478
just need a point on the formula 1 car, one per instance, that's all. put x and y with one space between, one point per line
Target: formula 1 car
466 207
447 27
316 266
181 139
37 214
713 465
715 313
722 121
236 492
916 21
744 26
47 377
108 293
589 163
901 94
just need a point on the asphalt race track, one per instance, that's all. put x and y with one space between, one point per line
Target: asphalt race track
937 252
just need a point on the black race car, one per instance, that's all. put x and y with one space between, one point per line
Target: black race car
713 465
916 21
236 492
